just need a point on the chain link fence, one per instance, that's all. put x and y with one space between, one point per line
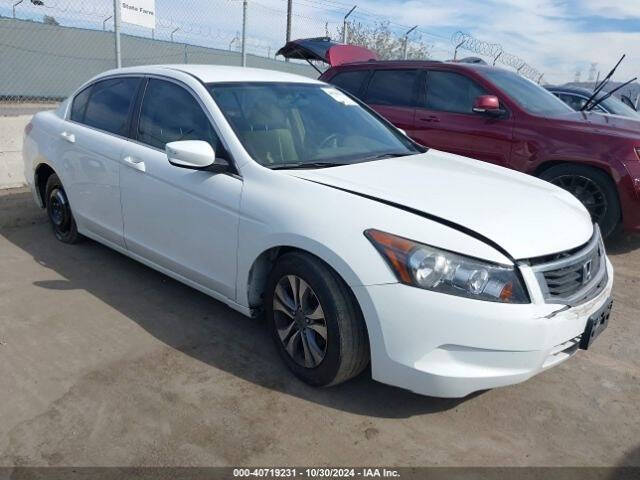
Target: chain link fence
49 47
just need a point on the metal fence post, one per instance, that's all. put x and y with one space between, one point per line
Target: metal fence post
244 33
13 8
344 24
116 32
406 41
104 22
288 38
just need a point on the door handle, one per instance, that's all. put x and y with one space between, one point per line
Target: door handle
69 137
135 163
430 118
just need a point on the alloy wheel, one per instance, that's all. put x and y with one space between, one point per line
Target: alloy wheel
300 321
587 191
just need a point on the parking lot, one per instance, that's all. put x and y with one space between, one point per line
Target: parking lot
104 361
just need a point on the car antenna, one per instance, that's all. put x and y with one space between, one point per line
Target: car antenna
601 85
604 97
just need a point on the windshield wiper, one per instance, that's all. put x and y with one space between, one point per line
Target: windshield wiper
601 85
300 165
603 98
381 156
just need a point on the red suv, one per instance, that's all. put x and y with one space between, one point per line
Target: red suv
500 117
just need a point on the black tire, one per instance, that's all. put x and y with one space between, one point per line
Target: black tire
59 212
346 349
594 188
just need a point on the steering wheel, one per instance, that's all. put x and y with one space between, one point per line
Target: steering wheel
332 140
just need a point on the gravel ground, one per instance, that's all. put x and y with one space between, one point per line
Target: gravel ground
107 362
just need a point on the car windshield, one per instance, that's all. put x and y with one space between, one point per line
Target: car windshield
298 125
529 95
615 106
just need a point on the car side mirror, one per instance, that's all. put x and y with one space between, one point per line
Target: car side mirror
196 155
487 105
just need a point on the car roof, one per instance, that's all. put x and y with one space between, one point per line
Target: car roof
399 64
577 90
216 73
580 90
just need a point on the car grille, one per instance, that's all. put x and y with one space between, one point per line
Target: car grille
573 277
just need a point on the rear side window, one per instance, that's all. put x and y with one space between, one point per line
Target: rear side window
170 113
392 87
451 92
110 103
350 81
79 105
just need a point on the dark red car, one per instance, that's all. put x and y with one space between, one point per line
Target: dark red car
500 117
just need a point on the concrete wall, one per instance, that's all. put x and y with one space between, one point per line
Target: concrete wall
49 61
11 166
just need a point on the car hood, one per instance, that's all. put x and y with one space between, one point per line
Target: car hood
522 214
614 124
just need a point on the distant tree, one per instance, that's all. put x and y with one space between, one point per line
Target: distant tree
49 20
383 41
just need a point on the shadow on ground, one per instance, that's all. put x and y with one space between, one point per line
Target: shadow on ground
621 242
197 325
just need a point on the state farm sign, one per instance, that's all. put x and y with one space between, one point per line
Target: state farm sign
139 12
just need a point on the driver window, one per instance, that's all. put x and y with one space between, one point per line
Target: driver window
170 113
451 92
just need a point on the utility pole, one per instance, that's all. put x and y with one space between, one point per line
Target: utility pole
345 24
244 33
116 32
288 39
406 41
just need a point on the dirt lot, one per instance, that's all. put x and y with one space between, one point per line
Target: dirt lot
106 362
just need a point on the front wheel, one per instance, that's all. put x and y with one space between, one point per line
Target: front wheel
595 190
315 322
59 212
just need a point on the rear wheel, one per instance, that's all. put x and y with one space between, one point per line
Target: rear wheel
59 211
315 322
593 188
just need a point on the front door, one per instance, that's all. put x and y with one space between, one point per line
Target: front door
445 120
183 220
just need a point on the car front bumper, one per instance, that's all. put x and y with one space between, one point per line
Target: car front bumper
447 346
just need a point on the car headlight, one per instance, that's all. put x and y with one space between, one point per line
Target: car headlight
442 271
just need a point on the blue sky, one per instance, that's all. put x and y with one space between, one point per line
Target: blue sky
557 37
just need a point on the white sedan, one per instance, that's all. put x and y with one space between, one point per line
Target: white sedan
281 195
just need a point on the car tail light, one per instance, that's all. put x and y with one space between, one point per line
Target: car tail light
638 152
28 128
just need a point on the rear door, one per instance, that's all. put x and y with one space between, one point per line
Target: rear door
394 95
445 119
352 81
90 145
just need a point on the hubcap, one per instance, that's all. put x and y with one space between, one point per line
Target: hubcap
59 210
300 321
587 191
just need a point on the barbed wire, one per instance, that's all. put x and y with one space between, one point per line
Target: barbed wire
466 41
